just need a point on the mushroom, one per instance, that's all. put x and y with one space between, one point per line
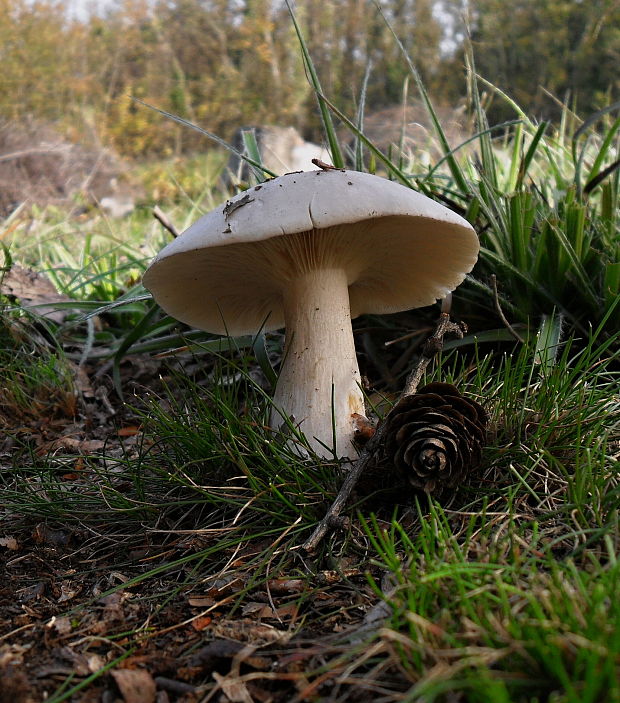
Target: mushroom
309 251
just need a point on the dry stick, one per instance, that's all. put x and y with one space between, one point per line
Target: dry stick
332 518
500 312
325 167
164 221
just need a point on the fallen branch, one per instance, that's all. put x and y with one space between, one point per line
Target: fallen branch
332 518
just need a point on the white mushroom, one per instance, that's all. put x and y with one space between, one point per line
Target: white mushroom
309 251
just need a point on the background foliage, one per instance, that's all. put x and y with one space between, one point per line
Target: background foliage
148 513
224 64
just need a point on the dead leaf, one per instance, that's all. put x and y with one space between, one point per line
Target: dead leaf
165 684
34 290
262 611
329 577
83 446
233 688
67 592
201 623
135 685
286 586
9 543
225 585
128 431
62 625
364 429
78 662
201 601
95 662
232 685
245 630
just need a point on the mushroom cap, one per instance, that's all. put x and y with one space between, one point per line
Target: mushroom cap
227 273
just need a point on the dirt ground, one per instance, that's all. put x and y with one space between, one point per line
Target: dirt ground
59 624
73 605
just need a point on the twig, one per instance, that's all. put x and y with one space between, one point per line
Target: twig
59 149
500 312
325 167
432 346
162 218
332 518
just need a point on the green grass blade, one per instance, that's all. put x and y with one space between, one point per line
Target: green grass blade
548 340
100 309
533 284
489 168
604 149
253 152
206 133
387 162
260 352
515 153
600 177
578 158
593 119
328 125
531 152
358 148
192 341
453 165
84 683
470 140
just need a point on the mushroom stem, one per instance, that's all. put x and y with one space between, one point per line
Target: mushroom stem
320 370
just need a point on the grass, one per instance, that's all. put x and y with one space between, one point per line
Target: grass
512 595
533 628
506 592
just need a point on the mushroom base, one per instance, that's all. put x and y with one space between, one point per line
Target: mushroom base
319 383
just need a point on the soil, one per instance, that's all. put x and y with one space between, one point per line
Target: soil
77 623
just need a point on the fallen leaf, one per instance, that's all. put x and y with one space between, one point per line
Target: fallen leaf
62 625
128 431
84 446
67 592
179 687
253 608
34 290
135 685
95 662
201 623
262 610
233 688
78 661
9 543
363 427
201 601
285 586
82 382
246 630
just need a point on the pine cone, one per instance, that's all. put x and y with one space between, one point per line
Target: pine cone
435 436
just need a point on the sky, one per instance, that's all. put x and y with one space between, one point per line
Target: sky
82 9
